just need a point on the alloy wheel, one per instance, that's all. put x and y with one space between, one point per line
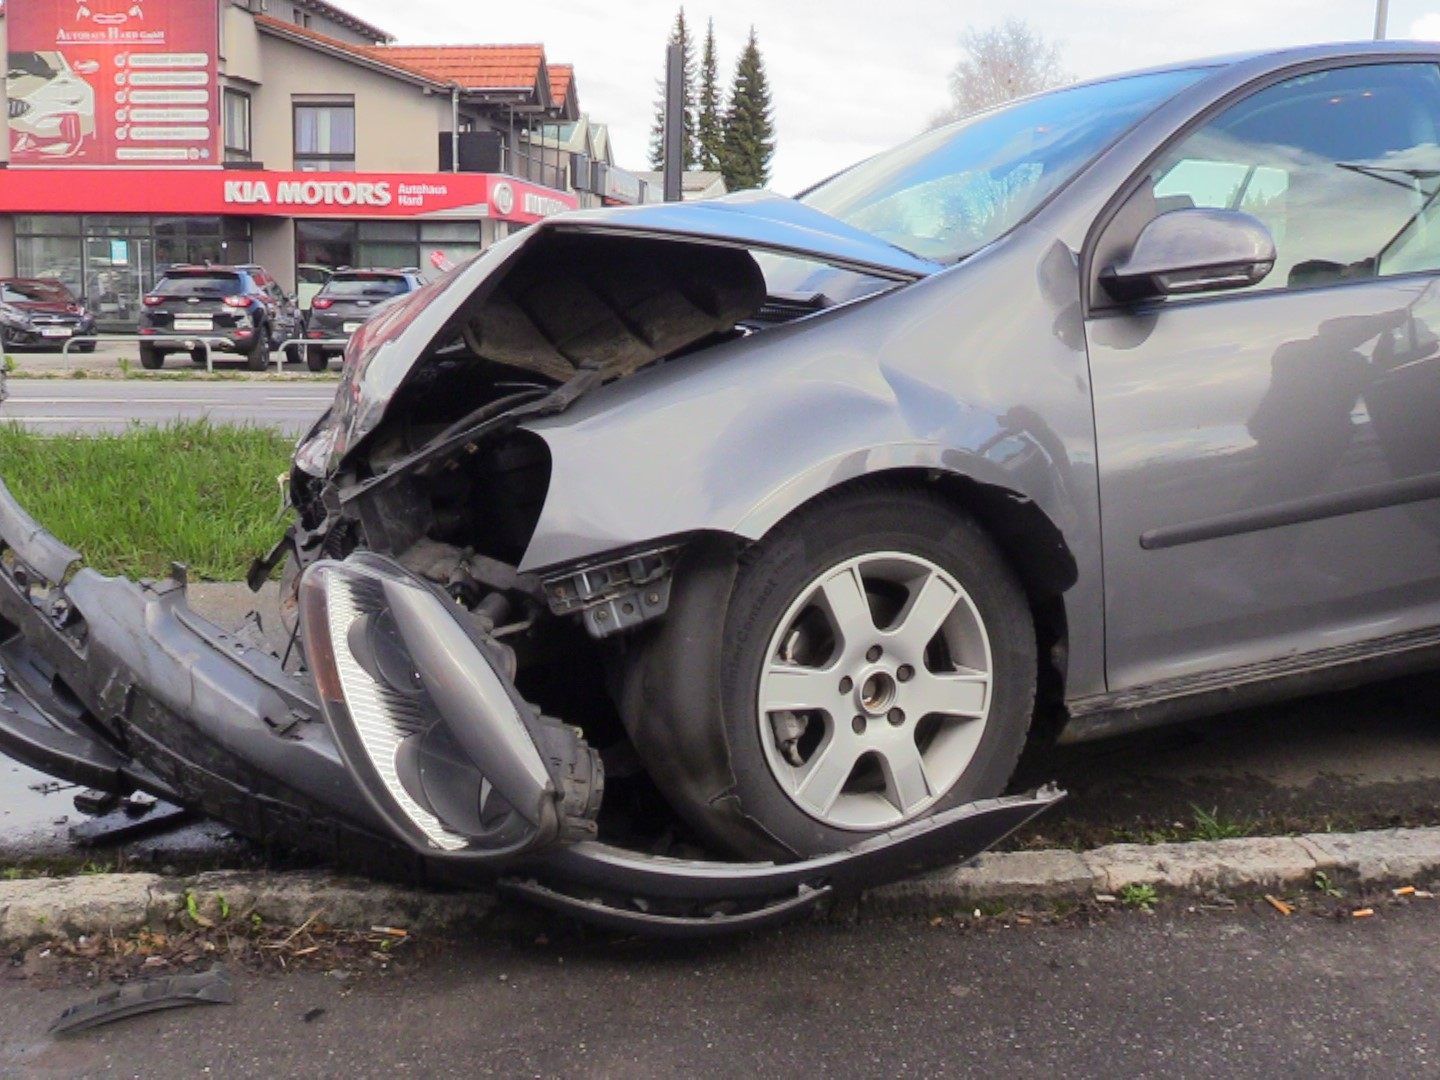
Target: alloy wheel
876 691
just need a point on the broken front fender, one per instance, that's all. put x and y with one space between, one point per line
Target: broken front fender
404 747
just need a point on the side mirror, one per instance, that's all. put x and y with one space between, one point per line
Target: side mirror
1190 251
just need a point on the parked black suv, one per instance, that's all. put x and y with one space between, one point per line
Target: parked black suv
234 309
37 313
347 300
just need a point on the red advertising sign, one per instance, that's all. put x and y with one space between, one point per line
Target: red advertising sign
114 82
465 196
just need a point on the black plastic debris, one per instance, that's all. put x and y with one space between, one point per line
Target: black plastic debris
146 996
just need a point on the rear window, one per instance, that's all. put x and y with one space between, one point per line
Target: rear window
199 285
368 286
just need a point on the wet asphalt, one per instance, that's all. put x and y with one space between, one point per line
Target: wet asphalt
1180 993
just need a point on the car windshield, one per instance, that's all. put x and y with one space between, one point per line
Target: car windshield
199 285
35 292
368 287
951 191
32 63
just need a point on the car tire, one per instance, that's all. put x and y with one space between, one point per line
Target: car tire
85 347
197 357
151 359
316 358
740 791
294 354
259 355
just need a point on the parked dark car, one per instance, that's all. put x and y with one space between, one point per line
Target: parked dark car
790 510
349 298
38 313
230 309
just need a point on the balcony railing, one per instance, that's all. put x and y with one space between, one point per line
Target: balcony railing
534 168
486 151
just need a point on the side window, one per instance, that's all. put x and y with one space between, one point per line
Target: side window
1343 166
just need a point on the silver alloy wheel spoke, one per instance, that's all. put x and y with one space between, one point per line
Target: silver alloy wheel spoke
926 613
849 609
795 688
820 784
963 694
885 733
907 785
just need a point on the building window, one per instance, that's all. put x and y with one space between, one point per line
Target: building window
237 125
325 137
300 16
432 246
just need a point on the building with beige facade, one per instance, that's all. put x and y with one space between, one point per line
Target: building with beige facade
144 133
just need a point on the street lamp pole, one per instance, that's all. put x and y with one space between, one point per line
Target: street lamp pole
1382 16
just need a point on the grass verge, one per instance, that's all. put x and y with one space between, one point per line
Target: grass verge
196 493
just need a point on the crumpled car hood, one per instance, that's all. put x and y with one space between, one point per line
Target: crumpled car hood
386 351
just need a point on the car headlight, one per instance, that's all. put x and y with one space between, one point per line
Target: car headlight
447 751
13 316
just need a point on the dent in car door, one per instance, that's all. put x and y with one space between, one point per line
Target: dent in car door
1269 464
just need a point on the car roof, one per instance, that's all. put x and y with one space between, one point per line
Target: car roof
1281 57
375 271
188 268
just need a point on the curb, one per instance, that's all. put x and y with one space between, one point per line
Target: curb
122 903
1252 864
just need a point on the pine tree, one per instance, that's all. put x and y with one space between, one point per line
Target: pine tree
709 118
749 123
679 35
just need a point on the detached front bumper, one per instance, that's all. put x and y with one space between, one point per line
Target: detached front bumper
406 748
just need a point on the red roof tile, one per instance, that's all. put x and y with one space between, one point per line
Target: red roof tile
474 67
562 76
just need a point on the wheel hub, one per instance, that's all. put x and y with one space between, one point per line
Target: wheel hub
876 693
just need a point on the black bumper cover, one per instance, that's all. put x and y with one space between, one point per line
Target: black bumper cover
121 686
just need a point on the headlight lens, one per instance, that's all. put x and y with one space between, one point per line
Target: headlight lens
442 744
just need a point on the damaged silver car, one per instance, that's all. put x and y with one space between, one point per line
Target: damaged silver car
682 565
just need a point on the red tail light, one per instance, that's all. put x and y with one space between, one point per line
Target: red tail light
154 301
237 301
324 303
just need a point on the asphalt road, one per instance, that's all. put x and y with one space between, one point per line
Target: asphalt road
1180 993
56 406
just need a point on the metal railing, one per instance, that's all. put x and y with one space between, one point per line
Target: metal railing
190 342
328 343
525 166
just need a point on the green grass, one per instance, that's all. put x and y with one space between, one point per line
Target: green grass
134 503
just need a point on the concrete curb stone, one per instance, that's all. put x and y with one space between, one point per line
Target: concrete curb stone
36 908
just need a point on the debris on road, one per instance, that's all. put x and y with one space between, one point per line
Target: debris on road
1362 913
146 996
1279 905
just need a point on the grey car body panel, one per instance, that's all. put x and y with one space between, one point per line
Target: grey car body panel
755 428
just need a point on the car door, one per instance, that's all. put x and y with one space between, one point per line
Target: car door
1269 457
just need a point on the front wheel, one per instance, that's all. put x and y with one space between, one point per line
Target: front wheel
878 665
315 358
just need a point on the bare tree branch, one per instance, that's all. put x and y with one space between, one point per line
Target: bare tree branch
1000 64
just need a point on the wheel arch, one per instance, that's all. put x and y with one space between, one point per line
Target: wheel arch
1030 542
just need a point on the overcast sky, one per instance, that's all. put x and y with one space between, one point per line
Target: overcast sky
851 77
